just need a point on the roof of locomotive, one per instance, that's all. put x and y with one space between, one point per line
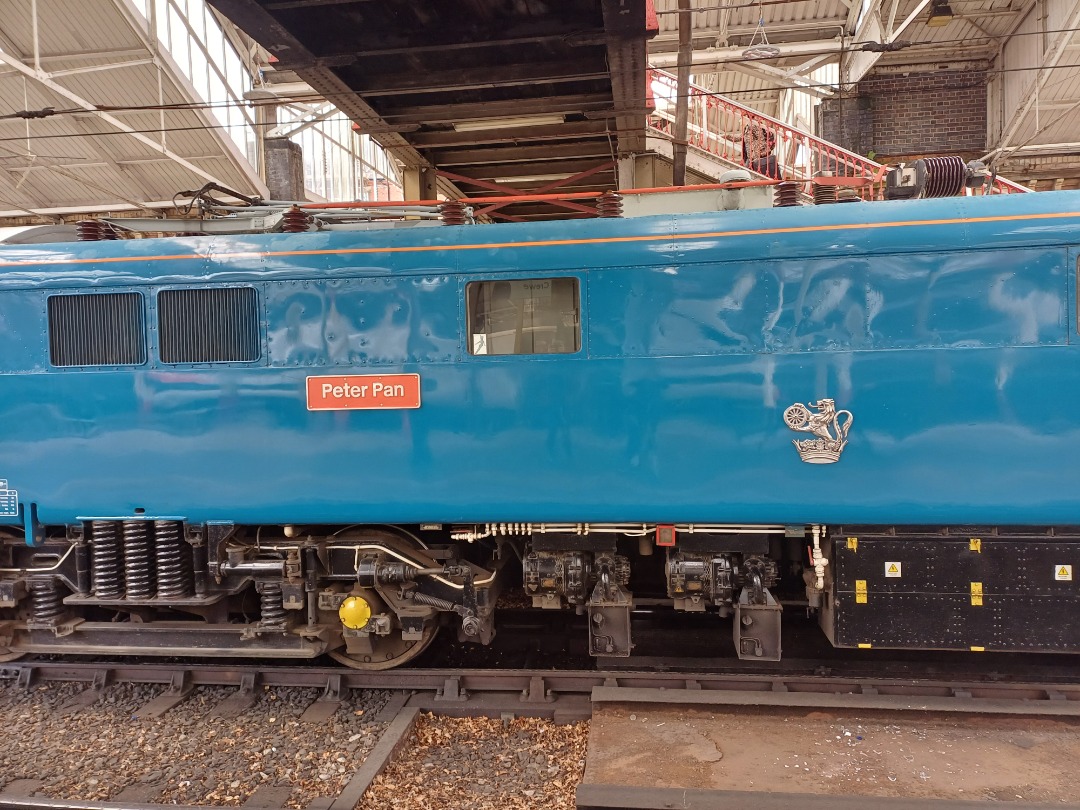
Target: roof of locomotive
957 223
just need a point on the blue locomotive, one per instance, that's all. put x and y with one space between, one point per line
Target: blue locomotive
284 445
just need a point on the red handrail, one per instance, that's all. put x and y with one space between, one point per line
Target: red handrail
716 125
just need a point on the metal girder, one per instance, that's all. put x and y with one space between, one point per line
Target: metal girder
594 148
808 65
510 135
858 63
479 78
265 29
43 79
624 23
779 77
1052 56
667 42
287 130
715 58
90 139
48 165
854 10
541 168
451 113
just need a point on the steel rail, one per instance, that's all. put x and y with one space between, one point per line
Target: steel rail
539 685
566 695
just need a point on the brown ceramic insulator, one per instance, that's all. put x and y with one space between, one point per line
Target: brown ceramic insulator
609 205
452 212
824 195
787 194
294 221
91 230
944 176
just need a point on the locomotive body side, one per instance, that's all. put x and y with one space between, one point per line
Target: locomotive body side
946 331
691 350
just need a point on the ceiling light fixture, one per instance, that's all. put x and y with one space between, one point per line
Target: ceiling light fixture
941 13
509 123
759 47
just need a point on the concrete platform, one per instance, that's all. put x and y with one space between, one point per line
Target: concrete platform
742 757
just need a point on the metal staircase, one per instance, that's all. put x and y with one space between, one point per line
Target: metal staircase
715 142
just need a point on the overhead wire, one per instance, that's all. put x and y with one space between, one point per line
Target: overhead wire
314 97
256 125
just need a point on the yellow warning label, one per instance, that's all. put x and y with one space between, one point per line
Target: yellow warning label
893 569
864 646
1063 573
853 543
860 591
975 544
978 649
976 594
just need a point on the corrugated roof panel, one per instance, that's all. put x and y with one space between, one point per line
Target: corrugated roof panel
109 167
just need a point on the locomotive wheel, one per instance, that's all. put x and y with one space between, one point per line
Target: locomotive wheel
388 652
9 655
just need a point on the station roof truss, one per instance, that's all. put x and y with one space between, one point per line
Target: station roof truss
1029 46
96 65
513 95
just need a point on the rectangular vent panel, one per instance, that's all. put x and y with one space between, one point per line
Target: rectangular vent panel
217 325
99 329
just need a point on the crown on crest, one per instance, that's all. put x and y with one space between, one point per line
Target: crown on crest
829 426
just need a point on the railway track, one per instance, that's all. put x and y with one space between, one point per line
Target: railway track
568 695
564 696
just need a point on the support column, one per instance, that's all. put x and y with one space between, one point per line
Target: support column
643 171
284 169
419 183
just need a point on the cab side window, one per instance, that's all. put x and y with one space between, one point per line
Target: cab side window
524 316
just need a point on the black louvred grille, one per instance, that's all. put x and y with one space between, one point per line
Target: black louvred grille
100 329
209 326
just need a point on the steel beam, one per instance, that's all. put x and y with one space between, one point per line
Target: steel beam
44 80
510 135
447 81
760 70
509 108
1053 55
624 22
594 148
716 57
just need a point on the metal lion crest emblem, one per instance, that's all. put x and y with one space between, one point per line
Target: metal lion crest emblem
830 430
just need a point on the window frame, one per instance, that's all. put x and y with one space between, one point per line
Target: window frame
579 280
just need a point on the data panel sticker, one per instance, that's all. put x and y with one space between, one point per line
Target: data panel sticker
893 569
9 500
363 392
1063 573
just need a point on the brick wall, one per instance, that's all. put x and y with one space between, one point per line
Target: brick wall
904 116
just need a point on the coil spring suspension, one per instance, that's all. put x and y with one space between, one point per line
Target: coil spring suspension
787 194
609 205
294 221
138 562
47 605
452 212
433 601
105 560
271 609
173 557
